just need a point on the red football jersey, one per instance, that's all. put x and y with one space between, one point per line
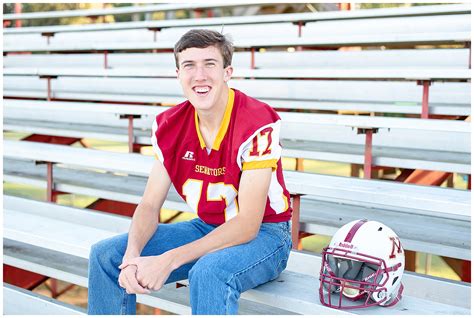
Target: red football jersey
209 181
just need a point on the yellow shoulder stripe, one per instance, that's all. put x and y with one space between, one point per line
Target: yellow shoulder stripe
271 163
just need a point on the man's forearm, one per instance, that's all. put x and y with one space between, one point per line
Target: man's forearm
144 224
234 232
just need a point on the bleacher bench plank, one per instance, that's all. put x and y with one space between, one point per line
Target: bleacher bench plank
73 269
151 8
374 96
322 214
81 112
295 17
334 137
389 31
368 59
339 41
434 199
412 74
409 158
283 288
19 301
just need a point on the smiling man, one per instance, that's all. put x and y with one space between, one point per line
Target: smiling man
221 151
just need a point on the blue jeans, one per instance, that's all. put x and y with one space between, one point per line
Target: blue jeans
216 280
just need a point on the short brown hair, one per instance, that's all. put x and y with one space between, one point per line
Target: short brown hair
201 38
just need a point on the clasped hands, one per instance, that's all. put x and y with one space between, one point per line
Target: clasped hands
141 275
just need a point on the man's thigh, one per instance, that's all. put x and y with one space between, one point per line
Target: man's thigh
173 235
251 264
165 238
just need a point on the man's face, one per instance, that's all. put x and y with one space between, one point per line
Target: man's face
202 76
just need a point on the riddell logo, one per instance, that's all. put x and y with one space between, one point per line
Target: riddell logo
189 156
346 245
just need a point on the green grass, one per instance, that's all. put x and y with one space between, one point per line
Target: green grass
313 243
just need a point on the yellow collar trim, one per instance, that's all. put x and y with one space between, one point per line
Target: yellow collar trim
196 121
224 125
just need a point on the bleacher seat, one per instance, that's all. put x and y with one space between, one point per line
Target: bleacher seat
373 62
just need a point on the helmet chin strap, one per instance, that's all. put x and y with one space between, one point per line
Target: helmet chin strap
397 298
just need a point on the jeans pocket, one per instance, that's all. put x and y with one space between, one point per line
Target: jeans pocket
280 230
283 261
286 232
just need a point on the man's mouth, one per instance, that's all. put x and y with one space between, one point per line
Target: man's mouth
202 90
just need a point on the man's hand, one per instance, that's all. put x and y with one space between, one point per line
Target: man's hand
128 280
151 271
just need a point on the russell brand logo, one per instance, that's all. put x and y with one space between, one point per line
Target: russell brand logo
189 155
346 245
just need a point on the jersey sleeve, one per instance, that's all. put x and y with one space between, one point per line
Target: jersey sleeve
262 149
154 141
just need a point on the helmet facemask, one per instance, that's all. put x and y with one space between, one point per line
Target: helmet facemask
351 280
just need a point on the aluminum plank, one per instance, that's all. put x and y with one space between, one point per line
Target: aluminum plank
306 17
411 74
141 9
333 41
452 237
19 301
450 202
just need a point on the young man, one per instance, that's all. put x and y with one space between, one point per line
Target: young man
221 151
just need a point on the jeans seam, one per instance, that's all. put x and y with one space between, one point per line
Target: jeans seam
255 264
123 308
229 291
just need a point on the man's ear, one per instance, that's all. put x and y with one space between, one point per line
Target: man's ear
177 73
228 73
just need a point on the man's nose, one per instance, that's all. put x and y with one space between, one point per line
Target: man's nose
200 73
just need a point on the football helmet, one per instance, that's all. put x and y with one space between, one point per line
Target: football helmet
362 266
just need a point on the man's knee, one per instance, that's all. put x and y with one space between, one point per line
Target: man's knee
97 250
198 274
213 289
204 272
108 251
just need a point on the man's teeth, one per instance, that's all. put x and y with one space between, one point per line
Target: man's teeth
202 90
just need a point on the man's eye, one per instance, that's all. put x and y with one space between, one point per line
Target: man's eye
187 66
210 64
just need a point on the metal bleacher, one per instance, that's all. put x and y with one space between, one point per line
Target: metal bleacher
334 137
373 81
296 289
374 28
144 9
272 18
108 81
443 210
19 301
